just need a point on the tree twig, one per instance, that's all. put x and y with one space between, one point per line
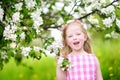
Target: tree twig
73 7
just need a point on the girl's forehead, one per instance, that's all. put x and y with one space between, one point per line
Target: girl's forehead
73 30
74 27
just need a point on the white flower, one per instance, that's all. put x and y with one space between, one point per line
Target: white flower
93 20
30 4
107 22
44 50
9 32
37 18
22 35
55 46
1 13
63 69
49 48
13 45
46 10
18 6
16 17
69 8
60 21
25 51
88 1
24 28
60 60
108 10
38 21
108 36
96 5
88 9
113 16
14 28
59 5
76 15
64 63
36 48
102 1
117 4
4 55
111 1
70 66
37 31
114 34
118 23
45 7
13 37
69 21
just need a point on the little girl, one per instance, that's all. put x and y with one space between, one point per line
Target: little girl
78 51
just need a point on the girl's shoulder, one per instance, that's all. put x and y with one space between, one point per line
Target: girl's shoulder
90 54
94 57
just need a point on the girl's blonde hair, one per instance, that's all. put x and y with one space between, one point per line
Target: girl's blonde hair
66 49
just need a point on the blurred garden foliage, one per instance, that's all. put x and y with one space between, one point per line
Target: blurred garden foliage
23 22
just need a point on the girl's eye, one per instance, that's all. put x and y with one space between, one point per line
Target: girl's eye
70 36
78 33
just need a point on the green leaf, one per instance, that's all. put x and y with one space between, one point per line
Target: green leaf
28 38
10 52
6 60
48 42
1 30
32 53
117 11
28 22
1 65
18 58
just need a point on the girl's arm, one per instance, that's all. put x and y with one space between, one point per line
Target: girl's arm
60 75
99 74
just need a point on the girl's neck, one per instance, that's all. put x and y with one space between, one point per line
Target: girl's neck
80 52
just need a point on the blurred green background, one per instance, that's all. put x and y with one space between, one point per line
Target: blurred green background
107 51
43 69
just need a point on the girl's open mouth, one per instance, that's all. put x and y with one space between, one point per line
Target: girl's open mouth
76 43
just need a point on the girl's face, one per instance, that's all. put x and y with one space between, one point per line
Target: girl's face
75 37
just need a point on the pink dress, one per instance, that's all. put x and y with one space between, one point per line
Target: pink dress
84 67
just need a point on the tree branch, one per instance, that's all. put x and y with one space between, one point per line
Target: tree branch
94 11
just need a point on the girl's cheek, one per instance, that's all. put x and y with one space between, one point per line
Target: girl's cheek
81 41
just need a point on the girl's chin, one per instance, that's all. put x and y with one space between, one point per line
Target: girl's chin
77 48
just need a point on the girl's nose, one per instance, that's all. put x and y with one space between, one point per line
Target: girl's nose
74 37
